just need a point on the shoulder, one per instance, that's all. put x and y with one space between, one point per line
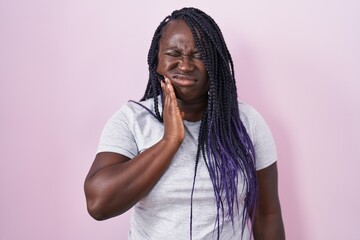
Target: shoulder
246 110
248 115
136 109
260 134
253 121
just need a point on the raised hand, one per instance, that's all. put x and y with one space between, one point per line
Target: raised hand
113 184
172 116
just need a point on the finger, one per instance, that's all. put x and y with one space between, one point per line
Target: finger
171 94
167 89
167 93
169 85
162 86
166 85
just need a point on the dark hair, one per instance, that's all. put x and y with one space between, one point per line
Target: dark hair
223 141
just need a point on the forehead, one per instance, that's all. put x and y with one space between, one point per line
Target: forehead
177 31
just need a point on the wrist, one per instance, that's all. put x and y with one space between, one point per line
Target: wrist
172 141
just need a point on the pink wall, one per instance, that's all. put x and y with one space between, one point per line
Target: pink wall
66 66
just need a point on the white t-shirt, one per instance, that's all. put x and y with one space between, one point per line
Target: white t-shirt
165 212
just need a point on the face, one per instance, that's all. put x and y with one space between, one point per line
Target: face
181 62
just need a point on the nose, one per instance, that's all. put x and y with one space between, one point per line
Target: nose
186 64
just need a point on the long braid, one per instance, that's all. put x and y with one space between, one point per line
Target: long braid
153 88
223 142
217 190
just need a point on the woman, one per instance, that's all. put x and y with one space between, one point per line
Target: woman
193 162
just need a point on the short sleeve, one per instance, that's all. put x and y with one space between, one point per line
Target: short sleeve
261 136
117 137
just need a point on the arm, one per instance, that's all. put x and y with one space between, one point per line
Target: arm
268 224
115 183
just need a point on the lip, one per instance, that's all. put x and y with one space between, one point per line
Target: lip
183 80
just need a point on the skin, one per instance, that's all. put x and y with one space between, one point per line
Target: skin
181 62
114 184
268 223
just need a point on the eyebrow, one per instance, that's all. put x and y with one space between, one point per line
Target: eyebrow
180 49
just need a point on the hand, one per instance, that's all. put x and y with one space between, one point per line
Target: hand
172 116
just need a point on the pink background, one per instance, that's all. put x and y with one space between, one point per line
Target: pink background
66 66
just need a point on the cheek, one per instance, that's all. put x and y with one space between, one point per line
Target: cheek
161 65
159 70
165 66
203 71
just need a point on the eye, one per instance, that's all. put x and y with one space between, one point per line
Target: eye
197 55
173 54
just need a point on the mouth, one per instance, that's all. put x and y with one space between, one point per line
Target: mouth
183 80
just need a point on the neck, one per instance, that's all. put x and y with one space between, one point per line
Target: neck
193 110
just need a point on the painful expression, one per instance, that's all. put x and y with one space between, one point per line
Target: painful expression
180 60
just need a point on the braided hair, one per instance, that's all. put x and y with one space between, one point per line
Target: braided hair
223 142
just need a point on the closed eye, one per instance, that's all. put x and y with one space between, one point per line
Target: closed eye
197 55
176 54
173 54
